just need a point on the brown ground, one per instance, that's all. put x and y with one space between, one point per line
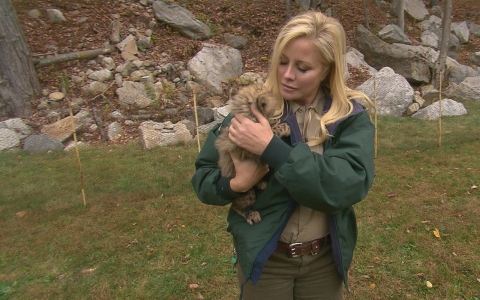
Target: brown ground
258 21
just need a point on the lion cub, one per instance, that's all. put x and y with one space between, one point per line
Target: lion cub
240 102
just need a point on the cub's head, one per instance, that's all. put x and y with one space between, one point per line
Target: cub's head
267 103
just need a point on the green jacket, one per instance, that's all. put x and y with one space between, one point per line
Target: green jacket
330 183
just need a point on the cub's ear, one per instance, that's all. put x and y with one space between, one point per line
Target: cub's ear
233 91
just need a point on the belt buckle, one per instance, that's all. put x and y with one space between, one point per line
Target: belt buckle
291 249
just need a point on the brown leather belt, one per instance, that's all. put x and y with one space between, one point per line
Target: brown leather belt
299 249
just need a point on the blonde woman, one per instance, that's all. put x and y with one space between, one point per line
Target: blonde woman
303 247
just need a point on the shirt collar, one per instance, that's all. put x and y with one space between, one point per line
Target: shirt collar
318 104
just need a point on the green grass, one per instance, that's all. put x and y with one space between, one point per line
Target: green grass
144 235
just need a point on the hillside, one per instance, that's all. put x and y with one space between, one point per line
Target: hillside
88 27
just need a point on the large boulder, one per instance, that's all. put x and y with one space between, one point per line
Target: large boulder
469 89
214 65
432 112
394 94
380 54
181 19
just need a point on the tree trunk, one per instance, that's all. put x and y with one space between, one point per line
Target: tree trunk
401 14
442 56
365 14
288 6
18 80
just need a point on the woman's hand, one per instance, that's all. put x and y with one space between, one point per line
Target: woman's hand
251 136
248 173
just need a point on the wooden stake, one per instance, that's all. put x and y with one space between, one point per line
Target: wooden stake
82 182
196 118
440 116
375 113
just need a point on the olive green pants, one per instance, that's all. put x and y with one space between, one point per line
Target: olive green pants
299 278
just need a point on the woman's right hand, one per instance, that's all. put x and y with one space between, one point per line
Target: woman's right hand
248 173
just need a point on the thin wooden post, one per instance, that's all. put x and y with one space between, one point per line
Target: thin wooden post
440 115
82 182
375 113
196 118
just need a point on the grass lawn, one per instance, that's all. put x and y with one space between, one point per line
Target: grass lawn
144 235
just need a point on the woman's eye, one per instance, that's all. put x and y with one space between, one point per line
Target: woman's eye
283 62
302 69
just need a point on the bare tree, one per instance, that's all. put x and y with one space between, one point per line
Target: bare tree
401 14
442 57
18 79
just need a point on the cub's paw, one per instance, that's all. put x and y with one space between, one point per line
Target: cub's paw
253 217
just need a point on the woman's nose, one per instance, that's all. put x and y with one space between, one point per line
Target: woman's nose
289 72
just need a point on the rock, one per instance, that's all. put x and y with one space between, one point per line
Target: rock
380 54
153 134
214 65
94 88
137 94
17 125
414 9
41 143
356 59
460 29
469 89
393 34
114 131
429 38
55 15
449 108
9 140
62 130
235 41
181 19
128 48
394 93
101 75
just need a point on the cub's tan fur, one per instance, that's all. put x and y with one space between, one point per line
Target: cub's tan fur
240 102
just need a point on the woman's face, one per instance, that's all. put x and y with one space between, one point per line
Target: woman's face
300 71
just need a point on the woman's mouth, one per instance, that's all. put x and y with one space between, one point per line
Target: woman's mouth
288 88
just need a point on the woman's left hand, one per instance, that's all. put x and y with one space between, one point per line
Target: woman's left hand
251 136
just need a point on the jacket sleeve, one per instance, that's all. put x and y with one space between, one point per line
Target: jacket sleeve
335 180
209 185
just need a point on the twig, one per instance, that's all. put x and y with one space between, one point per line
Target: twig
196 117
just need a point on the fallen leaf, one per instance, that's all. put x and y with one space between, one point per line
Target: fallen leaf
193 286
454 254
428 284
391 195
21 214
426 221
436 232
372 285
365 277
474 187
478 279
87 271
420 274
199 296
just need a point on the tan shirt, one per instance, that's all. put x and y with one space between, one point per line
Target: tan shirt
306 224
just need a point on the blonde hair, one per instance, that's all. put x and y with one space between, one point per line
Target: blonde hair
328 38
